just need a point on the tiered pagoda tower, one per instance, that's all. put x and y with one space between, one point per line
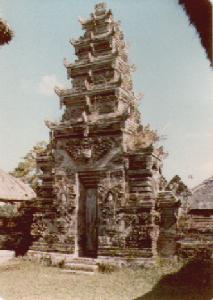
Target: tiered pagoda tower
101 173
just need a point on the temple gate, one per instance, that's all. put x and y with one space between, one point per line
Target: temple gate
101 172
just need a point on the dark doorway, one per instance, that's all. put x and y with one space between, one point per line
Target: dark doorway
91 222
87 222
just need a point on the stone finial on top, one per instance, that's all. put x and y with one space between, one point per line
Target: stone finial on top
100 8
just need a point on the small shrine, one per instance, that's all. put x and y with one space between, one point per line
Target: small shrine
198 230
101 192
16 200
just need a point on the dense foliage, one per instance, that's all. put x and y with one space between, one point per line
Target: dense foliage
8 210
26 169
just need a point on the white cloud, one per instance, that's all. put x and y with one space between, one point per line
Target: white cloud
47 84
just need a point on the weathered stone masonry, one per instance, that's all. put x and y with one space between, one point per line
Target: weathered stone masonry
101 172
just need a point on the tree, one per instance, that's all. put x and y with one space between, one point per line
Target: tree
26 169
6 34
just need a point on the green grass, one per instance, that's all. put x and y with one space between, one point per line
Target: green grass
23 280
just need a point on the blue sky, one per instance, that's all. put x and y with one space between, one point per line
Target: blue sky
172 73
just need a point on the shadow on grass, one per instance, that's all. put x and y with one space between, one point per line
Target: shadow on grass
194 281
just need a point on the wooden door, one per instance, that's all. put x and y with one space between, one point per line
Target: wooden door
91 222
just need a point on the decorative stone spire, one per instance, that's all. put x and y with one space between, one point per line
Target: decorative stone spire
101 85
99 156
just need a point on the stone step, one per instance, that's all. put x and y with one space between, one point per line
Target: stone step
81 265
80 272
87 261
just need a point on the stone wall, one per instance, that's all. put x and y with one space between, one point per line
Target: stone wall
15 227
197 238
168 205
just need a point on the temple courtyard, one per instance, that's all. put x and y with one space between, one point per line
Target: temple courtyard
92 214
24 280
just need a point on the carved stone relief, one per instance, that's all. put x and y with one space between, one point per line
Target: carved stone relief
111 188
90 149
104 104
111 196
103 76
73 113
136 233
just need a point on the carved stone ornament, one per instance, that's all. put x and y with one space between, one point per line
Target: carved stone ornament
72 113
100 8
111 189
90 149
39 226
65 200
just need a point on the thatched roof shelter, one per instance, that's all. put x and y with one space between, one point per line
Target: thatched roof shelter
13 189
202 196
